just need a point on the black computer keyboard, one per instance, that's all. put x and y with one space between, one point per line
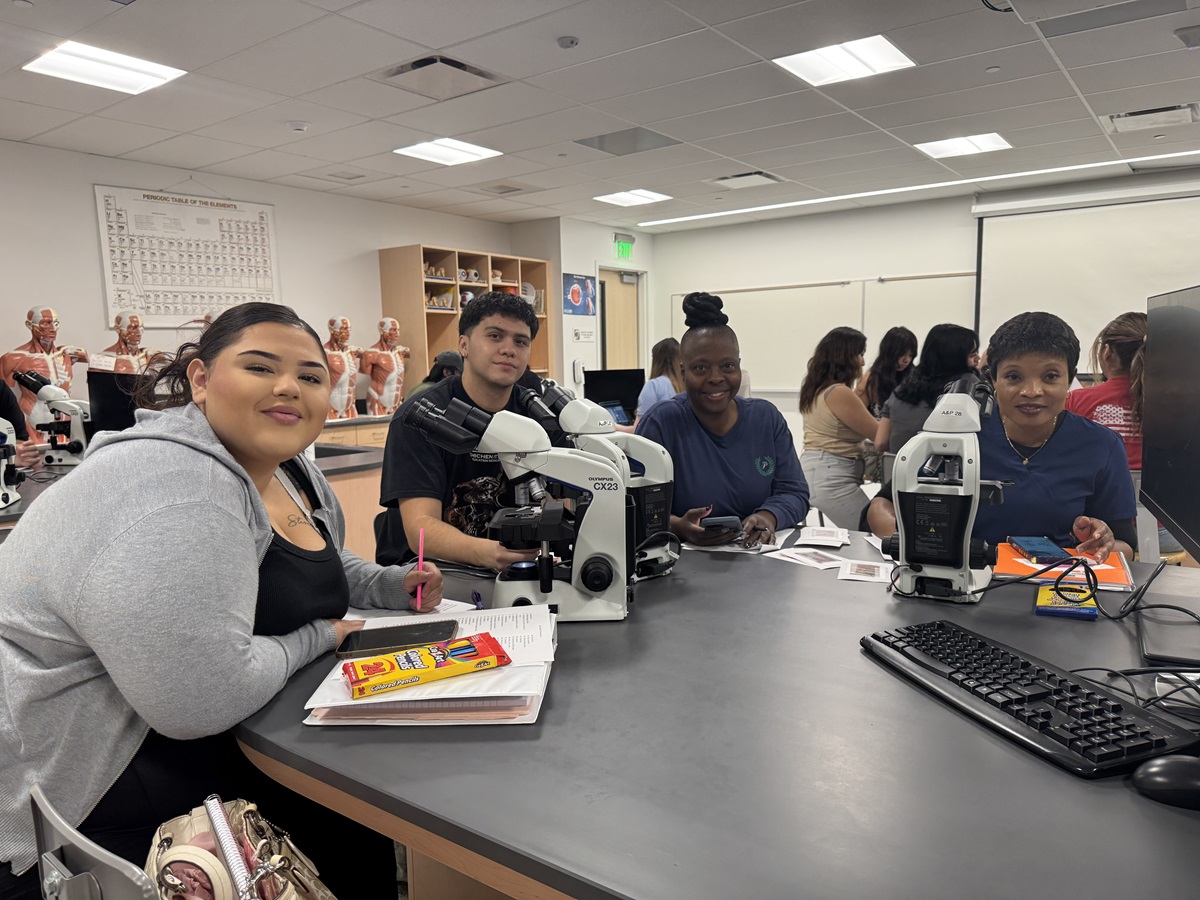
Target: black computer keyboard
1065 718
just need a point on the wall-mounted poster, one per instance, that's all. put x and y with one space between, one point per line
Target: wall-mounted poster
579 295
175 258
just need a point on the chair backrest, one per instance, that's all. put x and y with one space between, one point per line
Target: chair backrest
71 867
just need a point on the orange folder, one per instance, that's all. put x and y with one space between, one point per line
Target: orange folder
1011 564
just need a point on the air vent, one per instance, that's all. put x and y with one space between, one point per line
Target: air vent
1142 119
631 140
1058 17
345 176
439 77
504 188
746 179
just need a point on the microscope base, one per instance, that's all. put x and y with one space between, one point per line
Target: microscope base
8 498
938 583
58 458
573 605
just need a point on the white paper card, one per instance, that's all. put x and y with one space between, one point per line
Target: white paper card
862 570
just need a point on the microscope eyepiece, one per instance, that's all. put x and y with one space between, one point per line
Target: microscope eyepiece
532 405
31 380
555 397
457 428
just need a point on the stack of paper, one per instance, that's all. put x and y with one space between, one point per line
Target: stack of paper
815 536
510 695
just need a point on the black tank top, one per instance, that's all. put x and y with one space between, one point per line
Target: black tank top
296 586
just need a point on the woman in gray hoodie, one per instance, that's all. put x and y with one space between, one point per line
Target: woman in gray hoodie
167 589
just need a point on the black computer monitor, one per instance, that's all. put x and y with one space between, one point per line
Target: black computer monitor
621 386
1170 424
111 400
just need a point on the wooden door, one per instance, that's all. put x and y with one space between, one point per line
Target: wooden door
620 321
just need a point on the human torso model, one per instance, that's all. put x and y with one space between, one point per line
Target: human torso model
42 355
383 363
344 361
127 356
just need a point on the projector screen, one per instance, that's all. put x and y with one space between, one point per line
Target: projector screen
1087 265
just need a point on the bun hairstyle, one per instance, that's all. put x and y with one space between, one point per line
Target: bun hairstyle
703 318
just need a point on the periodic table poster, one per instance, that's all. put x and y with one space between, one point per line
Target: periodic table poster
176 259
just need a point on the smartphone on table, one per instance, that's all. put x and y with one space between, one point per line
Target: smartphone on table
377 641
1040 550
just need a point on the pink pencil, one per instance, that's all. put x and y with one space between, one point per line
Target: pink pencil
420 563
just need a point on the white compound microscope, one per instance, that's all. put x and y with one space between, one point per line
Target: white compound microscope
10 476
59 417
937 492
595 582
646 467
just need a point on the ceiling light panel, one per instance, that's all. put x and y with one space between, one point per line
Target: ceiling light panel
844 62
964 146
448 152
103 68
636 197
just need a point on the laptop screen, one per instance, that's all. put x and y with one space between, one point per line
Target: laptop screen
617 411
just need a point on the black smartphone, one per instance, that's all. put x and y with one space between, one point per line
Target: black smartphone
721 523
1040 550
376 641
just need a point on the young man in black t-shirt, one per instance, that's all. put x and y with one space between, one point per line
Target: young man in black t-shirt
453 497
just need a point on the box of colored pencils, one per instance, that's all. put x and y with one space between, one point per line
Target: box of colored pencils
1049 603
376 675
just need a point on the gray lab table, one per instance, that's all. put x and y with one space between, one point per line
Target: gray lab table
730 740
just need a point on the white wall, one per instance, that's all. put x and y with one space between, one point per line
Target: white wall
936 236
50 247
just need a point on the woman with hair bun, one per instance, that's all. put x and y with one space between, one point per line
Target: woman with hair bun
733 456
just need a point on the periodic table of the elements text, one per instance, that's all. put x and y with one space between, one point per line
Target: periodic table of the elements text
175 258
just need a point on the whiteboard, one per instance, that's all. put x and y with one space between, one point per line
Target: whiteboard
779 328
1087 265
175 258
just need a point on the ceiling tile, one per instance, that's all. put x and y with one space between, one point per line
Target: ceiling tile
573 192
303 181
498 168
447 197
862 162
1018 137
1143 38
321 53
483 207
189 103
788 135
749 116
187 151
20 121
981 99
62 17
944 77
331 5
650 161
1051 112
1152 96
44 90
262 166
343 175
105 137
1039 157
433 25
819 23
368 98
683 181
189 35
677 59
357 141
554 178
1127 73
268 127
528 214
566 153
602 27
965 34
388 189
697 95
393 163
830 149
19 46
567 125
714 12
495 106
927 172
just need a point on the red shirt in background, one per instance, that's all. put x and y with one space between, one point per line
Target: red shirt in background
1107 404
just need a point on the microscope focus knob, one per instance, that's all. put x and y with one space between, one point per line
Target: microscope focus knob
983 554
596 574
891 546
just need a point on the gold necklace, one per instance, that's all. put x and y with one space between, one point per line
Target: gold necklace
1025 459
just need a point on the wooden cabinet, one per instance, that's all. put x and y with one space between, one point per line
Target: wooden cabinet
372 433
423 288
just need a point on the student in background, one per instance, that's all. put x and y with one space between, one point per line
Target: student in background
666 376
733 456
836 423
951 352
1066 477
445 364
11 412
897 351
180 607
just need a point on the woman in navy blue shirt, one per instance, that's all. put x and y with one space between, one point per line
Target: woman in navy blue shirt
733 456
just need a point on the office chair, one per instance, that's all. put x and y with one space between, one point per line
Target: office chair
71 867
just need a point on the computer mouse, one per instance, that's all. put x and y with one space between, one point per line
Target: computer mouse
1173 780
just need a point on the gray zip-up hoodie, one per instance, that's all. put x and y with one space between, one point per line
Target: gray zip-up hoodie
127 599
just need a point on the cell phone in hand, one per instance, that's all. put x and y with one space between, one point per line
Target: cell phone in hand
721 523
377 641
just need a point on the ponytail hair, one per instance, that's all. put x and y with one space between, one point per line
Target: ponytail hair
665 360
1126 338
165 384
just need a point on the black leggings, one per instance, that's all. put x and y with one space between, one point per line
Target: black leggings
168 778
